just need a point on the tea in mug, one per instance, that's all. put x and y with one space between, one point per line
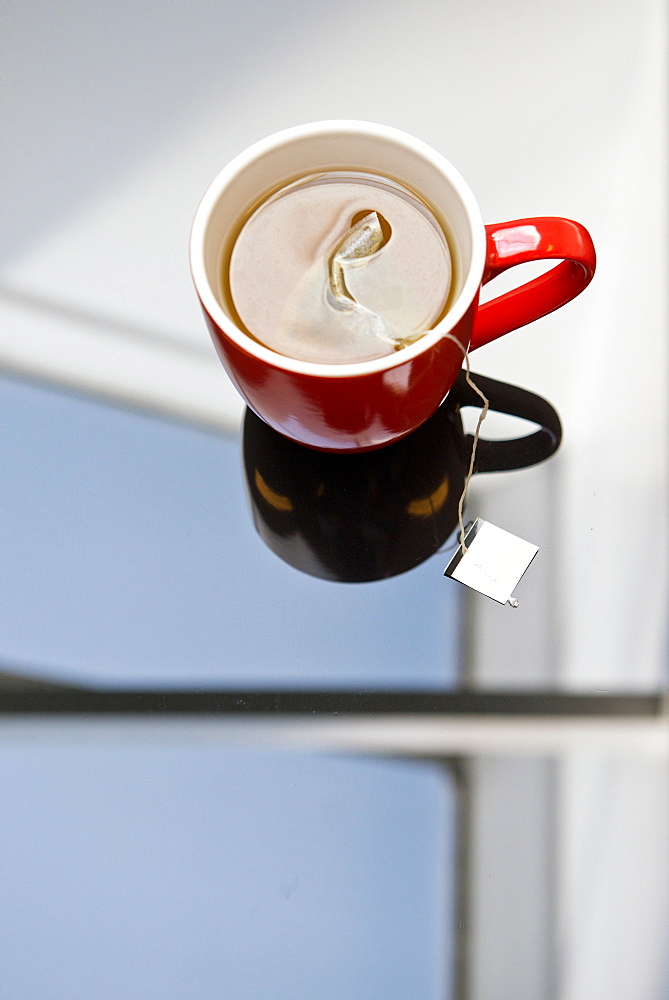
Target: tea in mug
339 267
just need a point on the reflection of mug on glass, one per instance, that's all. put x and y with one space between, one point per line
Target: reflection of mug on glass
358 518
339 266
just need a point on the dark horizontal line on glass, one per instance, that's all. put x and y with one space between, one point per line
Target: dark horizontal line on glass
55 699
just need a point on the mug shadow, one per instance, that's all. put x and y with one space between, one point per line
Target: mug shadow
365 517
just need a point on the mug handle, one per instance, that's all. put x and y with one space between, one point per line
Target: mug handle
523 240
513 453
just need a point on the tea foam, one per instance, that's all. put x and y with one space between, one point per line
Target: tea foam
311 277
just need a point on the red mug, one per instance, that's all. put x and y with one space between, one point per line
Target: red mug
365 405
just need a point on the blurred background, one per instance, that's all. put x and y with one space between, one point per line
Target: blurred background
162 860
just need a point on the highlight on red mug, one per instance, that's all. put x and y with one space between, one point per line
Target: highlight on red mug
352 407
522 241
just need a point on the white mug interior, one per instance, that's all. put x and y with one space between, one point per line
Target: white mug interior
334 145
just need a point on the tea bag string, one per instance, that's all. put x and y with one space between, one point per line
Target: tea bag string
477 432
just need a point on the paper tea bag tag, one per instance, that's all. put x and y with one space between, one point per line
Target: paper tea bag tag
493 561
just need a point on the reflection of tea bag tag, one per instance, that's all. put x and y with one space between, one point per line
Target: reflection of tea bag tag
493 561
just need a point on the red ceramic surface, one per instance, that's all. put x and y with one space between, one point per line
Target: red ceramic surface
519 242
341 411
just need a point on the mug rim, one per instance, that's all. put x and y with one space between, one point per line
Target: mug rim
259 149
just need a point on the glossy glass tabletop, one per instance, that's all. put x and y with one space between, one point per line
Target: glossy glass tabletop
229 767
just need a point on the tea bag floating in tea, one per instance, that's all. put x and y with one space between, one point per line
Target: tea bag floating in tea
363 239
340 267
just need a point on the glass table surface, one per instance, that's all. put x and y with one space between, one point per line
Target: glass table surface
228 769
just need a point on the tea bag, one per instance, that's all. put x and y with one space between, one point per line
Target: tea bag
322 313
363 239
